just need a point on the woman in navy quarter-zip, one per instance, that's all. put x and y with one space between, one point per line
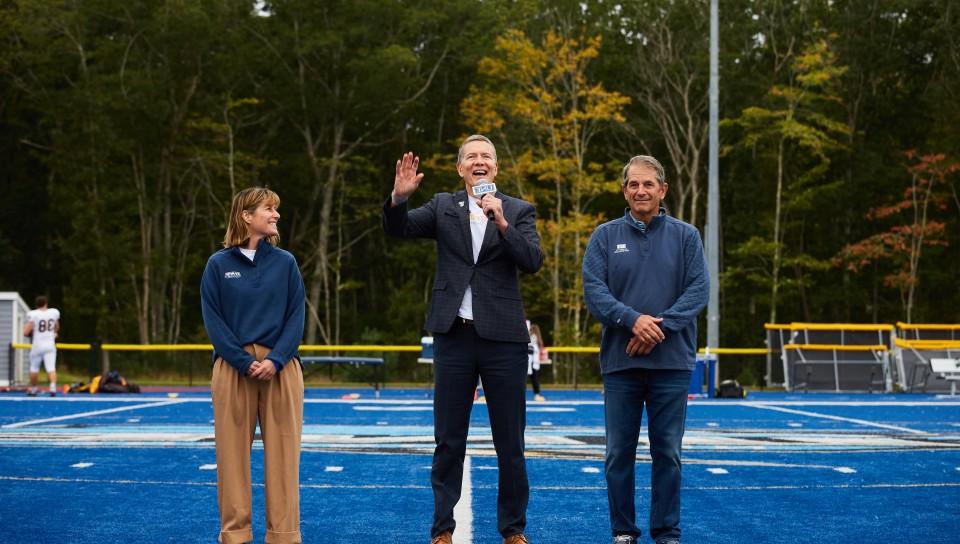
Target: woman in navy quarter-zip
253 308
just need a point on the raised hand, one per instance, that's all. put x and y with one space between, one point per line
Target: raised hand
406 180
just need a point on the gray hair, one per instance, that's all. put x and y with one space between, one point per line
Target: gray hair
644 160
476 138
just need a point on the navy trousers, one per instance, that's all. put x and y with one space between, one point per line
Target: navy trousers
460 356
664 393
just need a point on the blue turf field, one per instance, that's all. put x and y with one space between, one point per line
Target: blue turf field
776 468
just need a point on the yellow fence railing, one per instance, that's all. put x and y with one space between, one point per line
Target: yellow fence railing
77 347
734 351
830 326
927 344
836 347
928 326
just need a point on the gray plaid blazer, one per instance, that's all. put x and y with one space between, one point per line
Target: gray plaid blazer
497 305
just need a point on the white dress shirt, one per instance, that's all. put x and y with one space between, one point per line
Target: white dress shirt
478 226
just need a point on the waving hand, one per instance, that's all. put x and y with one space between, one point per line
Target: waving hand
406 180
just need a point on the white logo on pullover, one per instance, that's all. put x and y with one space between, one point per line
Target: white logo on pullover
231 274
621 248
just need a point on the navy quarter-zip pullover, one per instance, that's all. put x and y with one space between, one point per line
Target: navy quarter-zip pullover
253 302
659 270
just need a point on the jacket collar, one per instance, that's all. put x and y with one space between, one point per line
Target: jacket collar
640 225
263 249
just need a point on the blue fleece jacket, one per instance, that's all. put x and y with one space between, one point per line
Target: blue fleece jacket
658 271
253 302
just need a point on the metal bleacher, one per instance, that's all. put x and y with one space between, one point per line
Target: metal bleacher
916 346
833 356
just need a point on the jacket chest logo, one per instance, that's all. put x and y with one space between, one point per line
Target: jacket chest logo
621 248
231 275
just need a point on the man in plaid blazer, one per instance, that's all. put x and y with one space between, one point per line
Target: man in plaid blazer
479 326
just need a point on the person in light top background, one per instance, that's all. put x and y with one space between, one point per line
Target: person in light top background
42 327
535 354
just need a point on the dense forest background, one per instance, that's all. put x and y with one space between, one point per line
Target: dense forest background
125 127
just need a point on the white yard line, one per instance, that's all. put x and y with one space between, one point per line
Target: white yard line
88 414
459 531
463 511
413 402
836 418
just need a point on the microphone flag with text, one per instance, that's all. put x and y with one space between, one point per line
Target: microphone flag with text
484 187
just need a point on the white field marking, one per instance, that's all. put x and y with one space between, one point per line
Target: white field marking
590 470
463 511
932 485
195 484
845 470
705 402
485 467
333 469
88 414
550 409
837 418
546 423
763 464
393 408
133 420
833 403
713 424
209 466
82 465
794 424
715 470
383 423
958 468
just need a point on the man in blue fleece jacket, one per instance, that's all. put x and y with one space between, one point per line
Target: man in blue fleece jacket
645 279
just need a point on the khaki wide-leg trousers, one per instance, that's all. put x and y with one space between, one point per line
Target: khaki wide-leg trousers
238 403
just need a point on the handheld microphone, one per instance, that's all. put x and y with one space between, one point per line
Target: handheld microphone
484 187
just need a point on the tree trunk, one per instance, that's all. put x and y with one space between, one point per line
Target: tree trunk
777 236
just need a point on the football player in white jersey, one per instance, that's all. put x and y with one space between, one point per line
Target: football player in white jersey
43 326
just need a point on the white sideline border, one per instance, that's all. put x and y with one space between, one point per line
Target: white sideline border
855 421
411 402
463 511
20 424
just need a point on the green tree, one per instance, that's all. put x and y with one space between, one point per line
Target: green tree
541 101
797 132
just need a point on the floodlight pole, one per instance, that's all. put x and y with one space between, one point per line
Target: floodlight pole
713 184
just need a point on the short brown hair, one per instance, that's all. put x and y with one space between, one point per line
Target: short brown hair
40 301
475 138
247 200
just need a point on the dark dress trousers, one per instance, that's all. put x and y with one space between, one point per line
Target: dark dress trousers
493 347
